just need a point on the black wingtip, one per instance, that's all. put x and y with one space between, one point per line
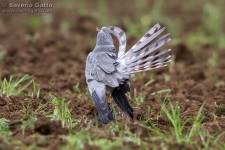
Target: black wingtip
120 98
105 115
105 119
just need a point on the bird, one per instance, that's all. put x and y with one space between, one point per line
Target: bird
108 72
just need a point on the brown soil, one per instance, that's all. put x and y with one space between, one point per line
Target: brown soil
56 59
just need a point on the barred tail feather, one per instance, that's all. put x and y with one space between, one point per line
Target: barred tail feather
146 55
146 52
152 31
144 41
148 58
157 62
147 69
148 40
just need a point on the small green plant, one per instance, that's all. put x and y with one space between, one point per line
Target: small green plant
213 61
36 92
14 87
120 132
179 135
162 91
106 143
65 25
166 77
62 112
220 109
4 127
28 118
149 82
134 138
2 53
80 94
149 109
137 76
35 22
77 140
138 98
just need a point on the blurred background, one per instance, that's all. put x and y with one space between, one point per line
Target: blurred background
32 42
191 22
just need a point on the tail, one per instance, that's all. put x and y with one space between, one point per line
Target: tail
145 54
120 98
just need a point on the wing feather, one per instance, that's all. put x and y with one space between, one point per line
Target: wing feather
105 62
98 94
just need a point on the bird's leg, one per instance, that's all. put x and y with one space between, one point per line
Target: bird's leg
108 99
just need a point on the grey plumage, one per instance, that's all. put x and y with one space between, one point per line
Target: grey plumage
107 72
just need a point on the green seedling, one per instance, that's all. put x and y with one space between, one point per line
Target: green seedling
4 127
2 53
137 76
106 144
162 91
62 112
28 118
149 82
14 87
213 61
149 109
178 132
121 132
80 94
35 22
220 109
64 25
77 140
82 137
77 89
36 92
138 99
166 77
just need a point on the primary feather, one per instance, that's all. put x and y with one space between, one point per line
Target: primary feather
109 72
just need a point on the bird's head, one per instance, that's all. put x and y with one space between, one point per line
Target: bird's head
103 38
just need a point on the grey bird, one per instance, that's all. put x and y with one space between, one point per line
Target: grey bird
108 72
